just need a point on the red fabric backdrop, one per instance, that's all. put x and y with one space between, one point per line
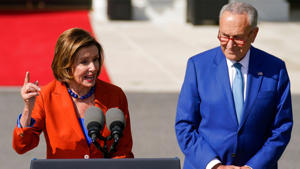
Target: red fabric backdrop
28 43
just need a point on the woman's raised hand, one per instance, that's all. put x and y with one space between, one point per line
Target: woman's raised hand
29 91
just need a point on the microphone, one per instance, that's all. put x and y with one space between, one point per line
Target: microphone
115 122
94 122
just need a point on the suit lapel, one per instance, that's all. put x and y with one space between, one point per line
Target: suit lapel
254 79
222 76
69 113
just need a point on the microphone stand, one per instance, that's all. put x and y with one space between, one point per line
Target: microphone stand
113 146
106 153
102 149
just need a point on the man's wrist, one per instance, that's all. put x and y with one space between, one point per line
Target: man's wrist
248 167
217 166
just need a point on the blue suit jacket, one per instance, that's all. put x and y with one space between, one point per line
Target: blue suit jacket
206 123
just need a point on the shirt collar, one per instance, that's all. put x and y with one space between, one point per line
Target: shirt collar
244 62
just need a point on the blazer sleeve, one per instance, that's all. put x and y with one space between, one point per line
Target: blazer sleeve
124 148
194 146
273 148
27 138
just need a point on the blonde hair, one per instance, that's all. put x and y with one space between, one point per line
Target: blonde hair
67 46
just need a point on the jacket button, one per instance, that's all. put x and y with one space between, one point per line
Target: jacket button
233 155
21 135
86 156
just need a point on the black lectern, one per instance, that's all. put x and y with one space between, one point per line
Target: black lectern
134 163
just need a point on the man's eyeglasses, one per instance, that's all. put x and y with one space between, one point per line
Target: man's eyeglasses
240 41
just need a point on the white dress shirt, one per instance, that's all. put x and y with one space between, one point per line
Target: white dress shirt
244 69
232 71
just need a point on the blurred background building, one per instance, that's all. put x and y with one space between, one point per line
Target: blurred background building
194 11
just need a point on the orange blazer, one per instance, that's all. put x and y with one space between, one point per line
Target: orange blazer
55 115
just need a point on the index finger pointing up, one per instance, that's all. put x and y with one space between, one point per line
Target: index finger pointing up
27 78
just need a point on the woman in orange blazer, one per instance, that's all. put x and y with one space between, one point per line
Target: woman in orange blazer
58 109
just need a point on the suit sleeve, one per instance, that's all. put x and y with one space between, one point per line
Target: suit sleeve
195 148
273 148
124 148
27 138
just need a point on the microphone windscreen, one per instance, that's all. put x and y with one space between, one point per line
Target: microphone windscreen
114 115
94 114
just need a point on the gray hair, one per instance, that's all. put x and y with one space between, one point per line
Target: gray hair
242 8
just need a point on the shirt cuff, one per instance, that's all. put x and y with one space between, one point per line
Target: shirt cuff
32 121
212 163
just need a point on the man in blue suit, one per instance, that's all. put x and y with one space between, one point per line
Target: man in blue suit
234 110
